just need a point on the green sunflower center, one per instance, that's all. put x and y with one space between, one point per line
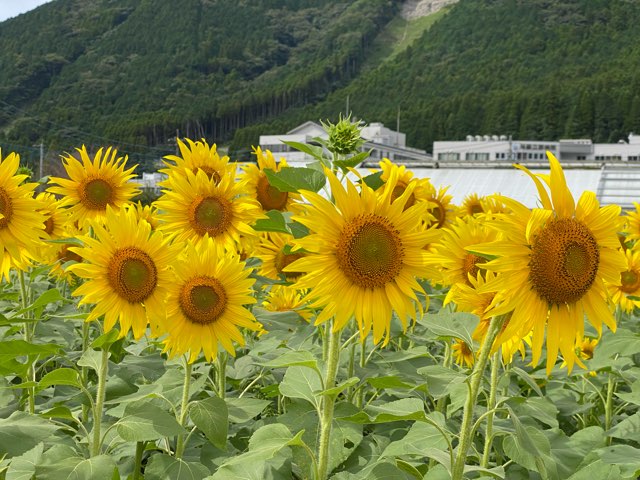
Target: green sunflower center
202 300
132 274
630 281
370 251
210 215
270 197
6 208
564 261
96 194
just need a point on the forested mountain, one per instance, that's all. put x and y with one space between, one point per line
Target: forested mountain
135 72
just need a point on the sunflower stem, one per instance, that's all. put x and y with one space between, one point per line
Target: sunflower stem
328 403
608 406
137 467
491 405
28 337
84 371
363 363
180 443
221 369
474 387
448 358
99 404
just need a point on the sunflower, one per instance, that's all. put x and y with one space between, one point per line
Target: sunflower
553 262
21 222
365 254
196 206
126 272
199 156
276 251
462 353
457 265
626 291
55 225
94 184
149 213
422 188
284 298
472 205
206 303
441 207
258 186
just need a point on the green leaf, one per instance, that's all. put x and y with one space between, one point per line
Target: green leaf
440 380
212 418
293 358
626 457
59 411
301 382
106 338
294 179
353 161
244 409
525 439
451 325
529 380
298 230
421 435
24 466
537 408
165 467
91 358
404 409
49 296
143 421
335 391
627 429
374 181
597 470
10 349
274 223
61 376
21 432
101 466
312 150
388 383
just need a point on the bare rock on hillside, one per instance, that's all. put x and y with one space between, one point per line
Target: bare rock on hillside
413 9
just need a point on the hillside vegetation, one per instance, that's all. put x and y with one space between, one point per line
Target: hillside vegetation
138 72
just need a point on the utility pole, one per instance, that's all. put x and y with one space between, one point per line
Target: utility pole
398 128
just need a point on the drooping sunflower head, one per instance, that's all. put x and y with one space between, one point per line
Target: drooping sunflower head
148 213
422 190
553 263
284 298
440 206
195 207
258 186
372 250
587 347
277 251
463 354
197 156
21 222
206 304
126 274
56 223
94 184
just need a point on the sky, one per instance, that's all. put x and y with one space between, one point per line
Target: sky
11 8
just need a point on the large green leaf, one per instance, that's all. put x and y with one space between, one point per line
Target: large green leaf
404 409
24 466
166 467
244 409
295 179
451 325
21 432
275 222
144 421
292 358
10 349
61 376
421 435
92 468
301 382
627 429
440 380
212 418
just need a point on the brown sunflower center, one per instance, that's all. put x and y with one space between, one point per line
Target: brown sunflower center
398 191
6 208
209 171
132 274
210 215
630 281
270 197
475 208
202 300
283 260
439 213
96 194
49 225
470 266
587 350
65 255
564 261
370 251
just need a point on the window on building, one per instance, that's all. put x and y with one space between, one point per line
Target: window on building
582 157
448 156
633 158
477 156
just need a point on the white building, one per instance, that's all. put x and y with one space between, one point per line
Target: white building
382 141
491 148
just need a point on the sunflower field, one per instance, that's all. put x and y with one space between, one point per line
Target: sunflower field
270 322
